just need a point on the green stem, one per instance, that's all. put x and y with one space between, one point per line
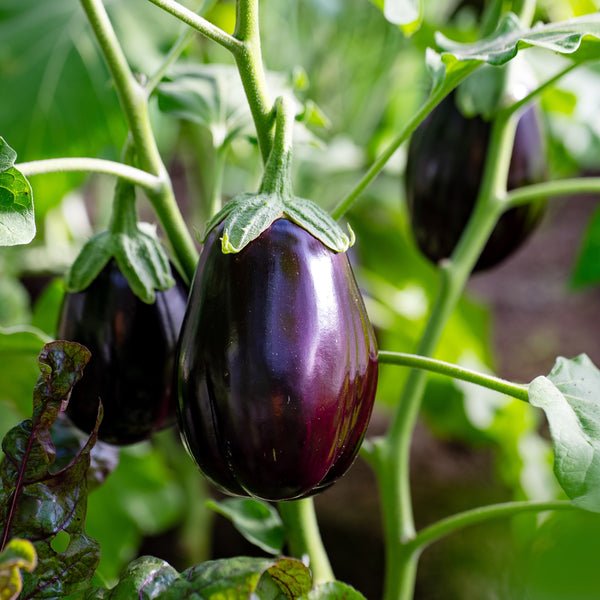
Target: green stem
248 58
344 205
456 372
91 165
200 24
459 521
277 176
391 455
134 101
564 187
304 538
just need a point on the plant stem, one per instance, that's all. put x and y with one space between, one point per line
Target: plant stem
200 24
91 165
304 539
248 58
456 372
481 514
434 99
391 455
564 187
134 101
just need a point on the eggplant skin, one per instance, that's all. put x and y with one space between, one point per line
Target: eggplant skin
277 365
133 353
445 163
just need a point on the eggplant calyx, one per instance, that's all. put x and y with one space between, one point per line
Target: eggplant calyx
246 216
141 258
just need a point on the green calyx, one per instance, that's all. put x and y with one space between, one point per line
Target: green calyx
246 216
135 246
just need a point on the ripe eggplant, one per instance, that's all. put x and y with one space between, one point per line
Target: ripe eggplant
133 347
277 365
446 158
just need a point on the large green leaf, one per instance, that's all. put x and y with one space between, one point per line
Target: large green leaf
570 397
564 37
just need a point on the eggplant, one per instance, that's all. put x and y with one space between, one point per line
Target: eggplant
445 163
133 353
277 365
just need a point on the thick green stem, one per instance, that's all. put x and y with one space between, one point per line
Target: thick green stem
92 165
248 58
134 101
277 178
304 538
392 454
456 372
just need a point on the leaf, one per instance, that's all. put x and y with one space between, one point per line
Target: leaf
233 578
7 155
18 554
257 521
570 397
17 221
239 577
587 268
564 37
41 497
407 14
212 95
334 590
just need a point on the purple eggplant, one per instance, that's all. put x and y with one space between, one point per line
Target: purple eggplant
445 163
277 365
133 347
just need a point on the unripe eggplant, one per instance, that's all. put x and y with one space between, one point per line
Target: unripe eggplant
277 365
133 347
446 158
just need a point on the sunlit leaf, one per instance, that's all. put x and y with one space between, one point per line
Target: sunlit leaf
570 397
17 221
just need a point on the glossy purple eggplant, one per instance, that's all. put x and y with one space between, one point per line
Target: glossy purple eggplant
133 348
277 365
445 163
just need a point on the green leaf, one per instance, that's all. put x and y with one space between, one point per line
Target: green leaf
7 155
17 221
212 95
564 37
18 554
587 268
407 14
236 578
39 500
570 397
257 521
334 590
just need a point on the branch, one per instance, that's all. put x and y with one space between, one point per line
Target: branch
93 165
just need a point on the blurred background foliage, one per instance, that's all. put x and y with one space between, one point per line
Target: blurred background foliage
359 80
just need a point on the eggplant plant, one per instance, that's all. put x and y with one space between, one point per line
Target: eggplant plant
267 373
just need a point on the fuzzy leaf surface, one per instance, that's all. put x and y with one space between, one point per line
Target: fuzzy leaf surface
570 397
7 155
